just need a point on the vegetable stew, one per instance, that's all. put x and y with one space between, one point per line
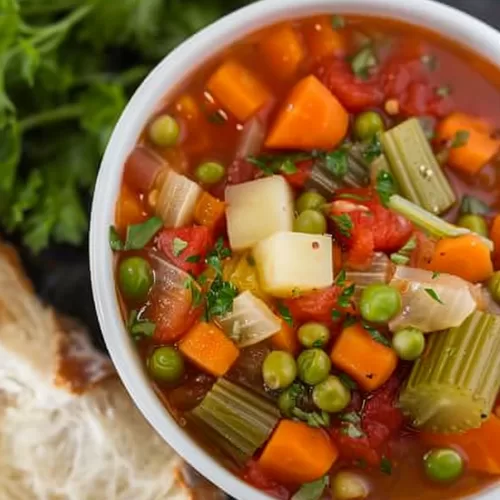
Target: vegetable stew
307 248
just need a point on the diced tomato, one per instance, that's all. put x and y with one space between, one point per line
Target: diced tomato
299 178
316 305
184 244
355 94
240 171
398 74
254 475
361 241
355 448
423 252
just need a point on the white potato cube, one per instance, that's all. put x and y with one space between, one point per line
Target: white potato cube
258 209
290 263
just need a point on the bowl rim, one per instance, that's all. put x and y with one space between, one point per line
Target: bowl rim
164 78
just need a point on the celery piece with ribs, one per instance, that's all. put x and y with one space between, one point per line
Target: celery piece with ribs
453 387
239 421
413 164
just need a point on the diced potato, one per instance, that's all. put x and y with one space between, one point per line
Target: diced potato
290 263
258 209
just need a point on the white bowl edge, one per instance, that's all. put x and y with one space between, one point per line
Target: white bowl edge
166 76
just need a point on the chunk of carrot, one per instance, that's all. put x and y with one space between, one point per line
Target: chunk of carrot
297 453
465 256
310 118
286 339
207 347
367 361
129 209
282 50
480 446
322 40
478 147
209 211
238 90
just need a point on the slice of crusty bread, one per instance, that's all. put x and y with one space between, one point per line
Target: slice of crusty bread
68 429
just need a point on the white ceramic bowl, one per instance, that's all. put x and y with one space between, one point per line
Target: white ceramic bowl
164 79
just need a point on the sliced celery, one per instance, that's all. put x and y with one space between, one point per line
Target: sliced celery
415 167
430 223
236 416
453 387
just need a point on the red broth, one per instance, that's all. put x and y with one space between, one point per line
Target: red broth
417 73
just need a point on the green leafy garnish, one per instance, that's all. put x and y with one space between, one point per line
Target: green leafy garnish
345 297
372 149
312 491
193 259
400 260
313 419
470 205
285 313
349 321
138 327
343 223
218 117
433 294
341 277
178 246
251 262
336 315
460 139
139 235
215 257
385 186
376 335
336 163
348 381
352 431
115 242
196 294
338 22
386 466
443 91
363 62
435 275
351 417
276 164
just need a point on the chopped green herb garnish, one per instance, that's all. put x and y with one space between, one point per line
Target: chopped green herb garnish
336 163
461 138
341 277
433 294
470 205
313 419
251 262
217 255
348 381
115 242
352 431
386 466
196 294
139 235
193 259
312 491
400 260
430 61
343 223
338 22
336 315
443 91
138 327
435 275
363 62
351 417
376 335
349 321
385 186
285 313
178 246
217 117
220 298
276 164
345 297
373 149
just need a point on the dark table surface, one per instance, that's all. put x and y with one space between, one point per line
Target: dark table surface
61 274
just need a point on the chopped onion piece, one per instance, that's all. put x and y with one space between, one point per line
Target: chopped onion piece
251 321
252 138
431 301
177 199
142 168
380 271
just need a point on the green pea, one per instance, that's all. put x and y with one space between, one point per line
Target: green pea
210 172
135 277
379 303
310 221
287 401
475 223
166 364
367 124
313 366
310 200
443 464
331 395
164 131
409 343
494 286
313 335
279 370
